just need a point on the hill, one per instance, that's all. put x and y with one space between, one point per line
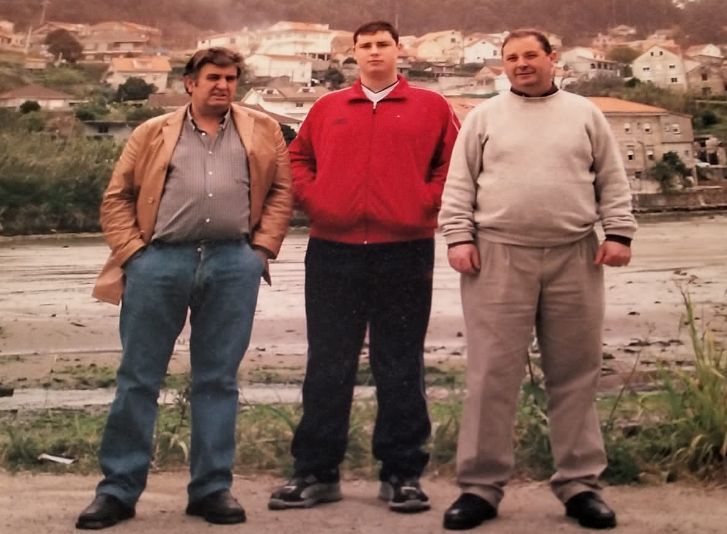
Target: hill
183 20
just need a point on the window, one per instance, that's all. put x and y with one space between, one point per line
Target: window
647 127
593 66
661 52
627 127
675 80
299 104
646 69
705 76
687 153
672 66
650 153
652 54
637 175
675 128
453 40
630 153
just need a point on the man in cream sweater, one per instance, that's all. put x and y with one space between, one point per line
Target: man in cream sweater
533 170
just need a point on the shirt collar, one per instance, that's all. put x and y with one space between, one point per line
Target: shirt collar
224 120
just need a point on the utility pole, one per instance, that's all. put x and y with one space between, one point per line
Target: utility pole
45 4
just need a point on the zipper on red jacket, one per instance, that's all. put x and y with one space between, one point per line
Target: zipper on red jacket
368 185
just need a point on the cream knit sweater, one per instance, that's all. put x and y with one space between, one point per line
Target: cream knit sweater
535 172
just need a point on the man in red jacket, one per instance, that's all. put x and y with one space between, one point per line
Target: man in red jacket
368 167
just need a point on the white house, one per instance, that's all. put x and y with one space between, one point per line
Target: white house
479 48
151 69
440 47
283 98
298 69
287 38
242 41
49 99
589 63
663 66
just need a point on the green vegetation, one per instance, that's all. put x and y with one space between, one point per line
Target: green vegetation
63 46
134 89
677 430
669 172
49 184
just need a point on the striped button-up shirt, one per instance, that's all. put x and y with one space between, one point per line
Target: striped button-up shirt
207 190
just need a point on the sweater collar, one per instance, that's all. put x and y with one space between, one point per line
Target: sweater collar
553 89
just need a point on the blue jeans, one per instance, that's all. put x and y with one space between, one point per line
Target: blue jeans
218 283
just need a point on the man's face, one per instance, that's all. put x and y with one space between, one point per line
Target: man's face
376 54
213 89
528 67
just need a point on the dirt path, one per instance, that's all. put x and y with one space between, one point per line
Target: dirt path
48 504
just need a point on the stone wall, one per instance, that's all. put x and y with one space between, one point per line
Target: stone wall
698 198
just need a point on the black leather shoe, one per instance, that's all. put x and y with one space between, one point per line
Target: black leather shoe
590 510
219 507
104 511
467 512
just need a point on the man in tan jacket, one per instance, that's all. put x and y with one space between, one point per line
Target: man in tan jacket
198 202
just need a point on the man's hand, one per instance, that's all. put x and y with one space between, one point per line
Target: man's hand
263 257
613 254
464 258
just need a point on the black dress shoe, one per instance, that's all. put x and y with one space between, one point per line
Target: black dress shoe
104 511
219 507
467 512
590 510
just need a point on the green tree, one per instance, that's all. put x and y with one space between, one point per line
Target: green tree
92 109
134 89
28 106
63 45
333 78
623 54
669 172
143 113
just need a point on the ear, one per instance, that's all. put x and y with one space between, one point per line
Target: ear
189 83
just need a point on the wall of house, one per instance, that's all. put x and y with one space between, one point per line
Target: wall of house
661 67
714 85
264 67
479 52
49 104
157 78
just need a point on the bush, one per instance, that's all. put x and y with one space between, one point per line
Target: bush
143 113
28 106
697 404
32 122
134 89
49 185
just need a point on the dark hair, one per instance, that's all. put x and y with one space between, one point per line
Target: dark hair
219 56
529 32
376 26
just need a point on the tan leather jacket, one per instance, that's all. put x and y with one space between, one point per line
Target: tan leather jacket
131 200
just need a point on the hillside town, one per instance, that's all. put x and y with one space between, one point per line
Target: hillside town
290 64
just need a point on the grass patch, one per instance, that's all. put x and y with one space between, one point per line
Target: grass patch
677 430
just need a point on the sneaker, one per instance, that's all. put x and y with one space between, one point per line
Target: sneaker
404 495
304 492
